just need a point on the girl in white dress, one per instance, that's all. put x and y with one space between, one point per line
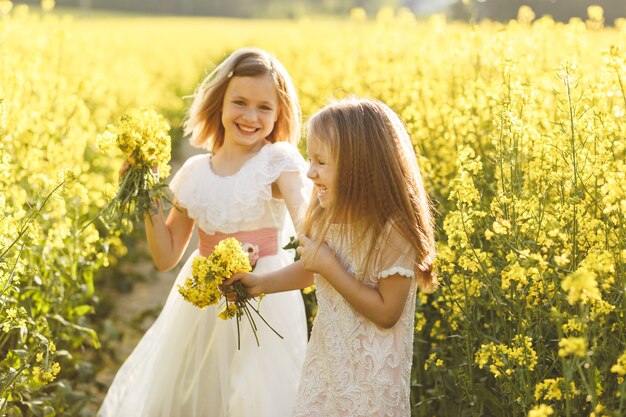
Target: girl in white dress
247 114
368 245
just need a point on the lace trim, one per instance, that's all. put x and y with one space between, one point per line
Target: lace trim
223 203
397 270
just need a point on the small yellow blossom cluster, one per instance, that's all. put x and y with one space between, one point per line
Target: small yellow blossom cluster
420 321
5 7
541 410
598 411
46 375
596 17
463 186
433 360
620 368
576 346
573 326
46 371
3 111
14 317
502 359
581 286
555 389
47 5
208 273
229 311
143 135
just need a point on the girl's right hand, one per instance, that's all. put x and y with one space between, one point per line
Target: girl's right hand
124 169
126 166
250 282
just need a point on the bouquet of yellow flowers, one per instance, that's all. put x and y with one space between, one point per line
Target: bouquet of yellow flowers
208 274
143 136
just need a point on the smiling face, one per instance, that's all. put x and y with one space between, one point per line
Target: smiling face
323 172
249 111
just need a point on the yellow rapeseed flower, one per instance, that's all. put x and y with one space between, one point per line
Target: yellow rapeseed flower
576 346
620 366
229 311
581 286
5 7
47 5
45 375
208 273
358 14
555 389
525 15
541 410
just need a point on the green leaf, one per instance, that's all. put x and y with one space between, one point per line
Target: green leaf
82 310
490 401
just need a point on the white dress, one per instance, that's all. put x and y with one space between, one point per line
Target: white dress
353 367
187 364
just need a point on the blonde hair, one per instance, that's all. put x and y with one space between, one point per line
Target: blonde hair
376 184
204 123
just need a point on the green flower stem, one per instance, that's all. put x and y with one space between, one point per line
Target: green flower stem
30 218
252 324
264 321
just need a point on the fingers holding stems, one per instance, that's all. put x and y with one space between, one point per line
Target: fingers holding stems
249 281
124 169
126 165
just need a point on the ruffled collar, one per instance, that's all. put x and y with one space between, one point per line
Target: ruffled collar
241 169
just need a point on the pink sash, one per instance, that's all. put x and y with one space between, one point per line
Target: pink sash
266 239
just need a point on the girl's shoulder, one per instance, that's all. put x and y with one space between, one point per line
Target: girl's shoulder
279 157
284 150
196 161
188 170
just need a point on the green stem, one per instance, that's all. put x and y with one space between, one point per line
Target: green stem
252 324
572 116
264 321
30 218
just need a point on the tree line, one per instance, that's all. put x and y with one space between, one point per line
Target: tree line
468 10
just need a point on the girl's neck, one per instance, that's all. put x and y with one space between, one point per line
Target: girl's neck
229 159
233 151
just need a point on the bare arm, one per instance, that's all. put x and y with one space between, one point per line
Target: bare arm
168 238
291 277
383 305
289 186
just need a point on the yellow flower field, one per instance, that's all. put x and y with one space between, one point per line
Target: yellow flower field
521 132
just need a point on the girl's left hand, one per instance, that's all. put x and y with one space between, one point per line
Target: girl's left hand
312 259
249 281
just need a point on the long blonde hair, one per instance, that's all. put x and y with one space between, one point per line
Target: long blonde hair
375 182
204 123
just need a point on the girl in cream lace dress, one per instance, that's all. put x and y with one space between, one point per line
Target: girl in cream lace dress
368 247
187 364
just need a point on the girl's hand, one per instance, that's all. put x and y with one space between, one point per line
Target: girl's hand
251 283
312 259
126 166
124 169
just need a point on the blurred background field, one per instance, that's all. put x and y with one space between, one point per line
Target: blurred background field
518 121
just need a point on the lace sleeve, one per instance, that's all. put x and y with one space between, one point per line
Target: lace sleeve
182 184
286 158
298 189
395 256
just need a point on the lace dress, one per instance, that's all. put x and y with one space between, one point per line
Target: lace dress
352 367
187 364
